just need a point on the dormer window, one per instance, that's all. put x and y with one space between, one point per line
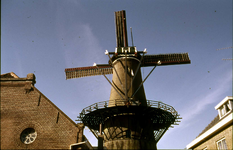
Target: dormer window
225 106
224 109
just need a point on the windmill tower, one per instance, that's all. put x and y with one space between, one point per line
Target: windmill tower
128 120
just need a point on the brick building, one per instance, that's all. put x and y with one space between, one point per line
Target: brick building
29 120
218 134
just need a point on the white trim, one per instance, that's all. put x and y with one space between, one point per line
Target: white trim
224 121
223 101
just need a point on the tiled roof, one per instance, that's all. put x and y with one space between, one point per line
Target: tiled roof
213 122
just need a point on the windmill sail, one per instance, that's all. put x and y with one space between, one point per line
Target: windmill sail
166 59
88 71
148 60
121 29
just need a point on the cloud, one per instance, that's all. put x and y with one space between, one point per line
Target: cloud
191 112
82 48
201 101
77 40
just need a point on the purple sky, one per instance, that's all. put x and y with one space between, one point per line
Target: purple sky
46 36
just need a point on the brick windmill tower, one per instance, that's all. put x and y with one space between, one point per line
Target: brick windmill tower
128 120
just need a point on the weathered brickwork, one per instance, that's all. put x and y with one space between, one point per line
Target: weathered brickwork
211 142
23 106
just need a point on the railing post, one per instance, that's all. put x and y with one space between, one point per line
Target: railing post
100 137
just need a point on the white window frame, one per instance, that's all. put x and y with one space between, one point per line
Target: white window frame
223 109
223 145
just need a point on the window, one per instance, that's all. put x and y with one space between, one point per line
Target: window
225 109
222 111
221 144
28 136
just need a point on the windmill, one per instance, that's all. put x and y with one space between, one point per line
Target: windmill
128 120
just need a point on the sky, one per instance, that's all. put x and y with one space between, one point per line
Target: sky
46 36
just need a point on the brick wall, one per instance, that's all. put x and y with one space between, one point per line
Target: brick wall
211 142
23 106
